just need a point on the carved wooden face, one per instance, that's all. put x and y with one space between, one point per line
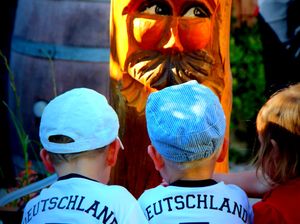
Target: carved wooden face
158 43
168 42
172 26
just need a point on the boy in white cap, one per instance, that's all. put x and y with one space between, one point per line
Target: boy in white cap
79 133
186 126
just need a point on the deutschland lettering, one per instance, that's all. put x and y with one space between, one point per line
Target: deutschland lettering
199 201
72 202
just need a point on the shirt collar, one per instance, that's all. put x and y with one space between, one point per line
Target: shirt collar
194 183
74 175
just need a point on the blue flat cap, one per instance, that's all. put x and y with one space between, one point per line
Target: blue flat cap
185 122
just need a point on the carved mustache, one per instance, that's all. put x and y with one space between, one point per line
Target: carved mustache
159 70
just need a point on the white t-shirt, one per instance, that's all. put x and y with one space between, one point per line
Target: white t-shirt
196 202
76 199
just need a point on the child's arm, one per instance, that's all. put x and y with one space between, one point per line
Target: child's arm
251 182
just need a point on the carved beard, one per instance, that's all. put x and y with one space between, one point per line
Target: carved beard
157 70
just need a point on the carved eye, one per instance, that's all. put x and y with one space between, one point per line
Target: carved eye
197 11
159 8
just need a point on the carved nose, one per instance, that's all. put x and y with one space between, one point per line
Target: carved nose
174 42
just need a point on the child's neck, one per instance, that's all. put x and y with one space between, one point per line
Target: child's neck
91 168
197 173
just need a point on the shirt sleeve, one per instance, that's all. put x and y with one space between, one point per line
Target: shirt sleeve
129 211
135 214
267 214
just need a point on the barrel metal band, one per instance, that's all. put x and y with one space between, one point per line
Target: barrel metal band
62 52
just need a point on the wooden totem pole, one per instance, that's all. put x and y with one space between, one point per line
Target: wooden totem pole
155 44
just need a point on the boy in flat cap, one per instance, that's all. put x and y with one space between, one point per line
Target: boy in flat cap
79 133
186 126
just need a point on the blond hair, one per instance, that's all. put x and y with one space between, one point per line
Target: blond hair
279 120
182 166
59 158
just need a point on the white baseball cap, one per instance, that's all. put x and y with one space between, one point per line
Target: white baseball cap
83 115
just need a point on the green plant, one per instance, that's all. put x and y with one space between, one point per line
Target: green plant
29 174
248 80
17 119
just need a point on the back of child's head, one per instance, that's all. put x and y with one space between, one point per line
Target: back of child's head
185 122
279 121
78 121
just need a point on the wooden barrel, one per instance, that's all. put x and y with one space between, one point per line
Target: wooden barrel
57 45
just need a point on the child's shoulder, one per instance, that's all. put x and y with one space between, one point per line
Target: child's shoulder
86 187
118 191
233 189
154 192
220 187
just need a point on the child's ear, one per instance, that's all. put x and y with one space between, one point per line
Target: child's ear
223 151
156 158
275 151
47 161
112 153
274 144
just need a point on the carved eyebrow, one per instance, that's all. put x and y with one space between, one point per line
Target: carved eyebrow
134 5
163 6
211 4
146 3
190 5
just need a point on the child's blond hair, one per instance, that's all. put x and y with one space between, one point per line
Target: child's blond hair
59 158
279 119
